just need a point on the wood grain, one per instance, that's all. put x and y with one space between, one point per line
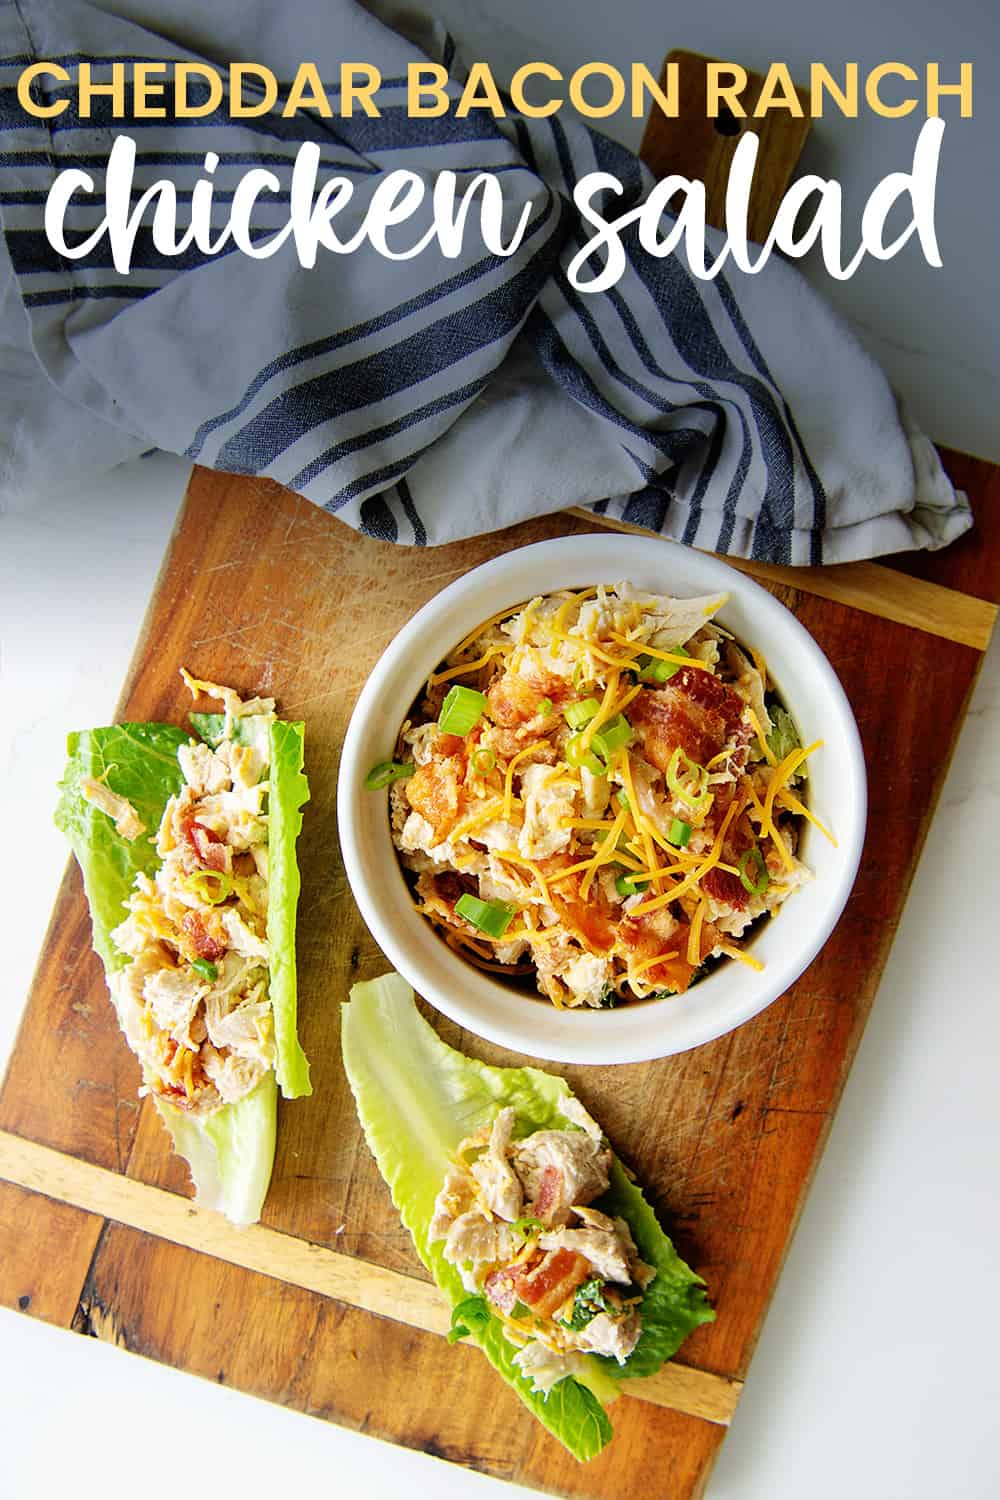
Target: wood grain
315 1268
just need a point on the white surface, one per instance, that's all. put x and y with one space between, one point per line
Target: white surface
876 1369
733 993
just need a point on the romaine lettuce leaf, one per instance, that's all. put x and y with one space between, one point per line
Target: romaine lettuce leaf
231 1152
138 761
674 1303
289 792
417 1098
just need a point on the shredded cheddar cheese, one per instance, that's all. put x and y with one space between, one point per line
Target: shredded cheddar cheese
603 713
691 880
478 819
755 725
508 782
792 803
694 934
650 963
743 956
605 853
642 648
781 774
466 666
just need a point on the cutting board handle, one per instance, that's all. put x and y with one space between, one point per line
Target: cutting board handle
698 147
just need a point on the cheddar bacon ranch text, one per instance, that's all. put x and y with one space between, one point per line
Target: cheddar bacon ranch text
244 90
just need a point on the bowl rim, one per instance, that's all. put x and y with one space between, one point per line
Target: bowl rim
445 979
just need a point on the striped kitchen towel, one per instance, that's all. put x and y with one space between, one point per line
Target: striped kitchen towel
422 400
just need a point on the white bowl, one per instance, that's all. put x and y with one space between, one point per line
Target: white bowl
733 992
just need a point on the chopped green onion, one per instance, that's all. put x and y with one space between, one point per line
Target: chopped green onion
545 707
687 779
615 734
679 833
491 917
385 772
483 760
461 710
630 885
205 968
622 800
210 886
759 885
578 755
527 1226
581 712
652 669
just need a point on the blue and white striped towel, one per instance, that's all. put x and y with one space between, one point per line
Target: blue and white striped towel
427 399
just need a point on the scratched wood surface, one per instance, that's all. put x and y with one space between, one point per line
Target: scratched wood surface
261 589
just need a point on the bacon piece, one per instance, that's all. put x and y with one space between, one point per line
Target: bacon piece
514 700
694 711
448 745
435 791
208 847
192 924
549 1194
450 885
546 1285
726 888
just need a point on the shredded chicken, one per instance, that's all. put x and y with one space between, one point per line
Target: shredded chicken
564 1290
477 1239
607 1335
500 1188
126 820
193 998
559 1169
601 1247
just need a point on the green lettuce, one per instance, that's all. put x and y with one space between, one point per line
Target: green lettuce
289 792
139 761
417 1098
230 1153
284 745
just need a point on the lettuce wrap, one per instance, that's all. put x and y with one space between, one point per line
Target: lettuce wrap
120 785
418 1100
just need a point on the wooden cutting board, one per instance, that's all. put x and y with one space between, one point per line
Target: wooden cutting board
325 1307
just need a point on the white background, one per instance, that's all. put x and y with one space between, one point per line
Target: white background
875 1374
